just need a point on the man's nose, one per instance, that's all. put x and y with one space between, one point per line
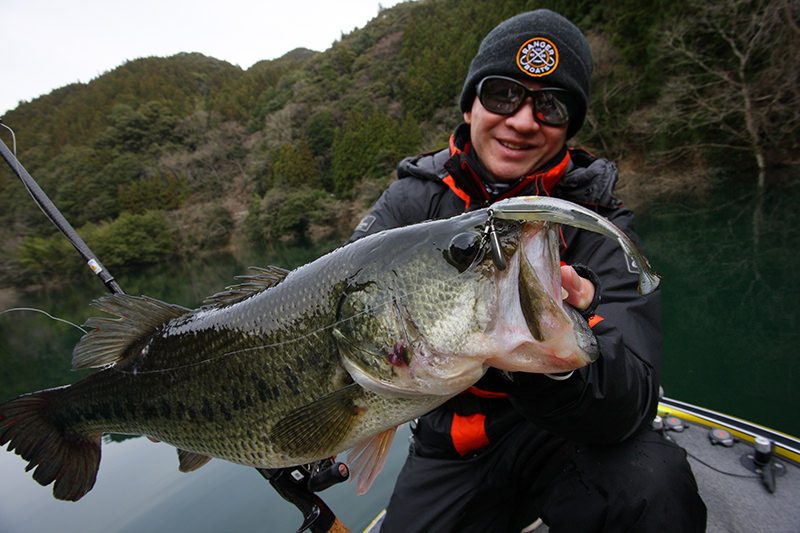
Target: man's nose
524 119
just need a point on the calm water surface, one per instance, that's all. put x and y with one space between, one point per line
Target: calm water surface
730 293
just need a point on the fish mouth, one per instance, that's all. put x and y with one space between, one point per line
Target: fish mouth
535 330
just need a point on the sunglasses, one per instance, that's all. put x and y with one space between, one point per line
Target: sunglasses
504 96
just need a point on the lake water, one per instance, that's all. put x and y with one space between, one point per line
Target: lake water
731 335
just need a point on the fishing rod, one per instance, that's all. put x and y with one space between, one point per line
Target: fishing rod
297 485
55 216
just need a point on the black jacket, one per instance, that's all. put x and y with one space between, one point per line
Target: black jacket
604 402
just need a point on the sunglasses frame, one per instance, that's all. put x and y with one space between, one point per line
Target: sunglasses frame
562 95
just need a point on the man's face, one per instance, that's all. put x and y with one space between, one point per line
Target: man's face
512 146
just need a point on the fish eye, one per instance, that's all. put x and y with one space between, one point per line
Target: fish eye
463 249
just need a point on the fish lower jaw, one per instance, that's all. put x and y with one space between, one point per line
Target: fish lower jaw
534 357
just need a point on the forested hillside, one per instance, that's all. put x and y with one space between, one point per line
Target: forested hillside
165 156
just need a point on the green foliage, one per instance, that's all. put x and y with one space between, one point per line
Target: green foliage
73 174
320 129
130 240
44 259
77 113
217 228
438 44
208 230
156 192
150 127
292 165
370 146
214 160
287 216
253 231
134 240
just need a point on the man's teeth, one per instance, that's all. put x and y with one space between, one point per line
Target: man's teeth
512 146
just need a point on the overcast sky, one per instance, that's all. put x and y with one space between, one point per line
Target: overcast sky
47 44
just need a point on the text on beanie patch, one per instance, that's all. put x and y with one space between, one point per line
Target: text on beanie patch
537 57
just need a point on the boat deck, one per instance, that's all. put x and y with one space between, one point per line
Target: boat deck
736 497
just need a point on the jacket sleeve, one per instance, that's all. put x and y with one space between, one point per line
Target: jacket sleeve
613 397
405 201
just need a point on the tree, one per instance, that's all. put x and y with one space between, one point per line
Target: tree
369 146
292 165
736 68
282 215
134 240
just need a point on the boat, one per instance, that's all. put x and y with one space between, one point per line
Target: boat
748 475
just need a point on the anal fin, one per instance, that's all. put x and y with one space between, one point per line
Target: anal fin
191 461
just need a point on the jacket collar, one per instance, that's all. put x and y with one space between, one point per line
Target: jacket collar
468 180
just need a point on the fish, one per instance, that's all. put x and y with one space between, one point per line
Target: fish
290 367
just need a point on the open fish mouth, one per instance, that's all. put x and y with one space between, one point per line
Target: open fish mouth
535 331
540 333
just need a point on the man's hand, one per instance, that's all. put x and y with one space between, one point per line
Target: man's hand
580 291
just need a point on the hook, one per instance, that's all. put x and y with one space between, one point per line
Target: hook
494 242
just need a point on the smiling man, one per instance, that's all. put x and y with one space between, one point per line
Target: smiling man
575 450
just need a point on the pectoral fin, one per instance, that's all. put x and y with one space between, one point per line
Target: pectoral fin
316 428
368 458
190 461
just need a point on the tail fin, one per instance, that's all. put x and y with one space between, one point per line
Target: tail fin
56 452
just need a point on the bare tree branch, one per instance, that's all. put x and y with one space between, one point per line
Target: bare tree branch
735 66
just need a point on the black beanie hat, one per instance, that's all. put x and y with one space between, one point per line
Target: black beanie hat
541 46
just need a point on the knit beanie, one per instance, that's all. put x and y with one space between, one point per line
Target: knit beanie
537 46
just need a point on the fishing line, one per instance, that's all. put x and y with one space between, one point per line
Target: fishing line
19 171
13 138
44 313
390 300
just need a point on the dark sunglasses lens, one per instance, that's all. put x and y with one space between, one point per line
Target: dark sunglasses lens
550 108
501 96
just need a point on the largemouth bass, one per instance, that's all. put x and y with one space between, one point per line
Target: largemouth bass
292 367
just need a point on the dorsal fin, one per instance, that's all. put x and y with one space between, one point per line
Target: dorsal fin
264 279
110 338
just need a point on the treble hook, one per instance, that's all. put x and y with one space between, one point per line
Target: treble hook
494 243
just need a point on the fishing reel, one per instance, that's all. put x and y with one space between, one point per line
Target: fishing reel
298 485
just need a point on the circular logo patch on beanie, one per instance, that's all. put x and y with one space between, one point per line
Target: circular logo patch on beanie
538 57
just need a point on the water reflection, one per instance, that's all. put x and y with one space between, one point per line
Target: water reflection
730 302
139 489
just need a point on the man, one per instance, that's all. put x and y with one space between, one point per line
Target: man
575 449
